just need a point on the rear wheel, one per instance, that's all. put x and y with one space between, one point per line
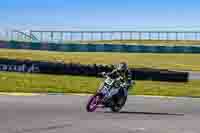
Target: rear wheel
119 100
119 104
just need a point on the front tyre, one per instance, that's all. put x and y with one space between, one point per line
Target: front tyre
93 103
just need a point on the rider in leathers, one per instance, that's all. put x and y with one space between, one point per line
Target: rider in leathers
123 71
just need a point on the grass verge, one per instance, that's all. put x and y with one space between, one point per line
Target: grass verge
186 62
39 83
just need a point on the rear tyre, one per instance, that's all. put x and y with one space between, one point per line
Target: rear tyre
120 103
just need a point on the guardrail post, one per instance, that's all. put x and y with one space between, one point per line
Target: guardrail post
82 36
196 36
101 35
167 36
61 36
140 35
121 35
149 35
132 35
159 38
176 36
111 35
51 35
71 36
41 36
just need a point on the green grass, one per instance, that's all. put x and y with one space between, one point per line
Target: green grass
17 82
166 61
39 83
146 42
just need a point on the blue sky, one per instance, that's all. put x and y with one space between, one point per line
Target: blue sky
99 14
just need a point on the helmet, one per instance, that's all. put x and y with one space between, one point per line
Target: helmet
122 66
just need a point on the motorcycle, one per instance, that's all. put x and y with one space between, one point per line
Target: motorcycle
111 94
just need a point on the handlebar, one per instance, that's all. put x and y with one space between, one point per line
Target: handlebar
105 75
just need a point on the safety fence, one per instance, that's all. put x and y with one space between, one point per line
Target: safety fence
60 36
99 35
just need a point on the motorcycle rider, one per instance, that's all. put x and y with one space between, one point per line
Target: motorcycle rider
123 71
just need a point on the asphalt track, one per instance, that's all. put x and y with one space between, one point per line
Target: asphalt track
67 114
194 75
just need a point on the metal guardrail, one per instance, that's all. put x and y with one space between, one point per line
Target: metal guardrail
114 35
64 36
19 35
4 35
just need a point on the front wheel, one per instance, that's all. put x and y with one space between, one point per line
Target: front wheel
93 103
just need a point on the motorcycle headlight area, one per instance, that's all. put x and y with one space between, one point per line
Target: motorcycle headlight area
109 81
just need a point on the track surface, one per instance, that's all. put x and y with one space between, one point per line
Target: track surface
194 75
66 114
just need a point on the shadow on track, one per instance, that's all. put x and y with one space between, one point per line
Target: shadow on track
144 113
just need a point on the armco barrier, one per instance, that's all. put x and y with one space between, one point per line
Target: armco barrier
99 47
88 70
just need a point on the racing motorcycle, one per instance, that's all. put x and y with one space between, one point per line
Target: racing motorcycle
111 94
